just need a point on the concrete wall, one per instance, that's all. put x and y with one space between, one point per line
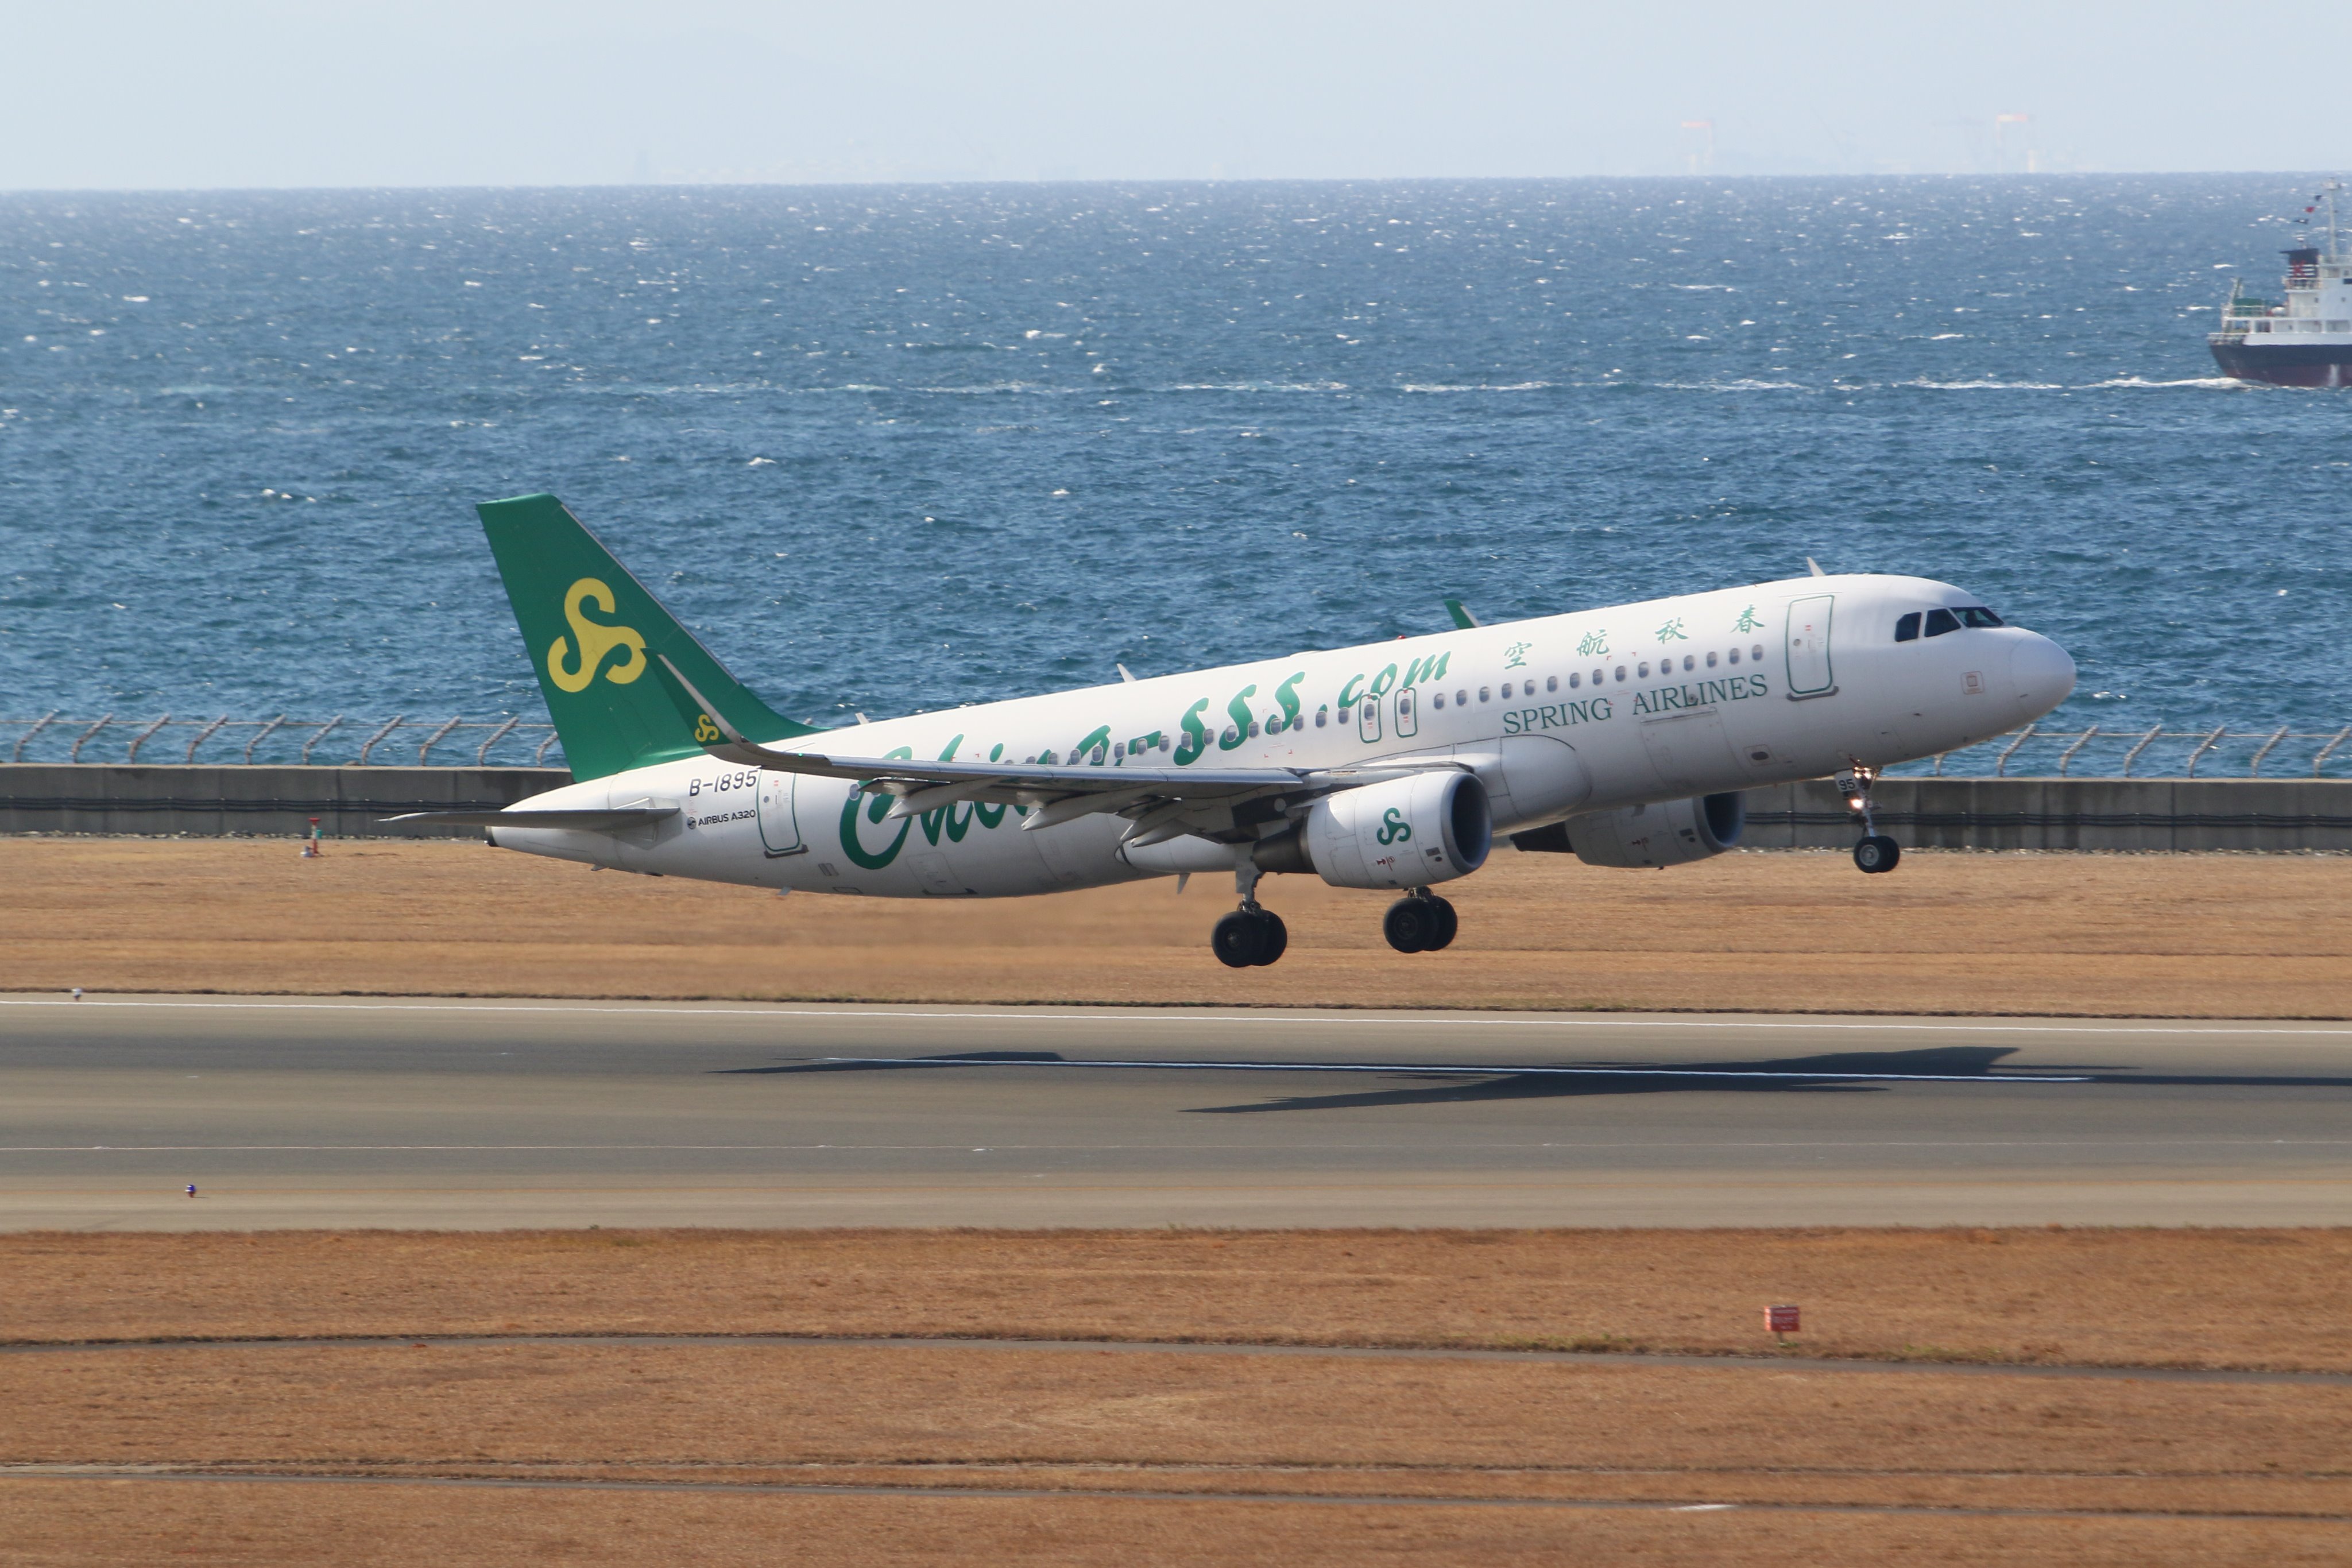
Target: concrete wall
1928 813
2143 814
60 797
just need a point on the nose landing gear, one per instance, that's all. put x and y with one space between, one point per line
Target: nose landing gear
1876 853
1420 923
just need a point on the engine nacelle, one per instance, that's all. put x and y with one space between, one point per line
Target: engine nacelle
1671 833
1407 832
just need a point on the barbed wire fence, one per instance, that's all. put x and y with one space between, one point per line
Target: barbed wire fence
2098 752
2033 752
339 741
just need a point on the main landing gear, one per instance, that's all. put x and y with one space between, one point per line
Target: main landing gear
1421 922
1251 937
1876 853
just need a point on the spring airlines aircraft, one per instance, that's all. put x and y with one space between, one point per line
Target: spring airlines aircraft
1621 735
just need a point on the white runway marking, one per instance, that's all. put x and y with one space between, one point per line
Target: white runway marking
1189 1016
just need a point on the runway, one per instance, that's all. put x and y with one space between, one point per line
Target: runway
445 1114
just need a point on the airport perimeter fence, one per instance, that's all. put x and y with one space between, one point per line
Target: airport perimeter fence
2147 790
282 741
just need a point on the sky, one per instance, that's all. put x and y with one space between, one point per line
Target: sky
241 93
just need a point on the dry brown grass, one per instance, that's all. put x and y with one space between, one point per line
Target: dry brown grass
2189 1298
93 1523
1078 1421
1422 1460
2185 936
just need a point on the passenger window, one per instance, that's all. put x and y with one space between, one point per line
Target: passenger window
1438 701
1710 661
1574 682
1621 672
1756 653
1551 682
1320 716
1734 655
1462 699
1689 662
1483 695
1345 714
1907 628
1506 691
1978 615
1644 672
1940 621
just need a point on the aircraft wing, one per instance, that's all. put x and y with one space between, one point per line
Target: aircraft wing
1165 802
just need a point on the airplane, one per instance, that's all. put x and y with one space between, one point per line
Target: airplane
1623 736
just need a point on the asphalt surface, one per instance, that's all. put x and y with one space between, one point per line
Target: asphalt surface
297 1111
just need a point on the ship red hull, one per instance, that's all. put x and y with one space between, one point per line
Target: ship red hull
2311 365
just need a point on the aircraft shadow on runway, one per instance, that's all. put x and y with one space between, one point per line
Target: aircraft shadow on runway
1838 1072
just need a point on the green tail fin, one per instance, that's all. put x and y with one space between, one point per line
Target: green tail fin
589 627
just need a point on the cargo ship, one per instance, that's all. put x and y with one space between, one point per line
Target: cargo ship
2304 339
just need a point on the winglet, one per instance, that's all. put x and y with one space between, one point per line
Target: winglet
1814 567
1462 618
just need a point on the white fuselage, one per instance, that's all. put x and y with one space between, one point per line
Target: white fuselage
1560 716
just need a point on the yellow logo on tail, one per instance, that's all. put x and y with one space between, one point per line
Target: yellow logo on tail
704 730
595 639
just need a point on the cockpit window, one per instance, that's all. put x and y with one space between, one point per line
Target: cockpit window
1907 628
1978 615
1940 621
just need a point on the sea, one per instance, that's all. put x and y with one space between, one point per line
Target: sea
892 449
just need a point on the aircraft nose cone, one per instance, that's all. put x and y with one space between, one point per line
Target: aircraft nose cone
2041 674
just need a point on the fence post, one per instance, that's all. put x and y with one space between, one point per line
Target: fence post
42 723
257 739
2068 755
204 734
2133 754
482 758
2331 746
2000 769
140 739
318 737
369 744
431 740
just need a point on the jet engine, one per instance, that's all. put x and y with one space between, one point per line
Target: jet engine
1671 833
1407 832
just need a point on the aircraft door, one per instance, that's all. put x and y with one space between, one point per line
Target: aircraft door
780 827
1408 717
1367 719
1809 646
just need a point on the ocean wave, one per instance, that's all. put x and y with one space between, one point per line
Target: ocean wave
1984 385
1737 383
1257 386
2227 382
1475 387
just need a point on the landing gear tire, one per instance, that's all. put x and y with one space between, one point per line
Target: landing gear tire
1249 938
1448 923
1274 938
1420 924
1877 853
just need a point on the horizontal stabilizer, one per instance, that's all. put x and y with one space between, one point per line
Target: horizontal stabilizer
618 819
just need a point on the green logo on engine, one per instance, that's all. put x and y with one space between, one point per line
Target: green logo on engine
1395 829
